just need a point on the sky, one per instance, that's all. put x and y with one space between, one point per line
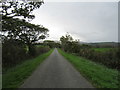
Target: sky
86 21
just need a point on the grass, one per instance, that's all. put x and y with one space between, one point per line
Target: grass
0 81
14 77
99 75
102 49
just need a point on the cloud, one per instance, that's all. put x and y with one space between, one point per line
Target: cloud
87 21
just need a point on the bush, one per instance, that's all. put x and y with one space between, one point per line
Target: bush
41 50
13 52
109 58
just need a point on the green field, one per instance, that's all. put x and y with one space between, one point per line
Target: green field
103 49
14 77
99 75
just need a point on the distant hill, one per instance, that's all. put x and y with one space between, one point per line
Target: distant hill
104 44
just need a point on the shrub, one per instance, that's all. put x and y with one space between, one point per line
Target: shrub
41 50
109 58
13 52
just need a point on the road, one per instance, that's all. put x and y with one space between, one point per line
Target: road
56 72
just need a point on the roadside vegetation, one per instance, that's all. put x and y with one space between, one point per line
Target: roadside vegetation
100 75
18 35
106 56
20 55
15 76
100 64
22 50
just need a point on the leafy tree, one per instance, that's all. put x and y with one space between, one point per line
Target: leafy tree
68 44
26 32
14 28
17 34
14 9
19 9
65 40
49 43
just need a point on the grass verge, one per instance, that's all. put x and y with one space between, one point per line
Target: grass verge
14 77
99 75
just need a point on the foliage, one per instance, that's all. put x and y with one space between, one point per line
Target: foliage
99 75
13 52
18 34
51 44
12 9
42 49
109 58
14 28
24 31
68 44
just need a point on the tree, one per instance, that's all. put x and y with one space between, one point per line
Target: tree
66 41
17 33
19 9
19 29
69 44
66 38
52 44
26 32
12 9
49 43
15 9
30 34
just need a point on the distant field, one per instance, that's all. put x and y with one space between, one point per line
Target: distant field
103 49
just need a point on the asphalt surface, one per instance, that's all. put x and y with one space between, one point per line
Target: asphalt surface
56 72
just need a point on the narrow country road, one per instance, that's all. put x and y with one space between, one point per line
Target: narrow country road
56 72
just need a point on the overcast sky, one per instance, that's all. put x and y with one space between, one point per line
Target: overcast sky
87 21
